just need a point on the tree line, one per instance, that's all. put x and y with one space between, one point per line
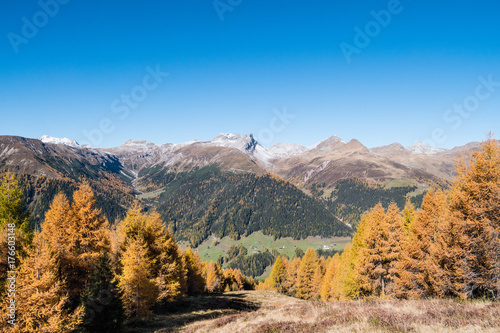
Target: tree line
450 248
76 273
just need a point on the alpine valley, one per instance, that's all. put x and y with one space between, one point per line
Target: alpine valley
233 186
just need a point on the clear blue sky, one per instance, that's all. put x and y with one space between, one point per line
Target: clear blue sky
229 75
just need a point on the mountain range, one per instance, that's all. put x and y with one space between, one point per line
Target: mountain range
144 170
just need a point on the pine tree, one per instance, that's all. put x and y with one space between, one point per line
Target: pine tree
102 300
12 207
278 276
42 303
14 223
305 275
139 288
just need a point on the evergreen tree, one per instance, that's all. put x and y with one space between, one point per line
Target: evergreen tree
14 223
102 300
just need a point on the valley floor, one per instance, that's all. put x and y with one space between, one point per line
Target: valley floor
268 311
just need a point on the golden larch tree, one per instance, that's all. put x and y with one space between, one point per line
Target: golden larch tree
42 302
475 198
136 280
305 275
278 276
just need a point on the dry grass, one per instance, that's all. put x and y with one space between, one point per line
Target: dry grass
267 311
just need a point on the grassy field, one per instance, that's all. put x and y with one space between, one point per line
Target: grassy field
258 242
268 311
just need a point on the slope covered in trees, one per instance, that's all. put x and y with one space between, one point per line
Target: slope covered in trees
352 197
448 248
79 274
198 203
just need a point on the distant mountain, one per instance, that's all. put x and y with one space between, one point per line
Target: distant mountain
46 168
422 148
323 171
282 150
61 141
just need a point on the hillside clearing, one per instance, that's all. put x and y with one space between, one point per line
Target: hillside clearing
268 311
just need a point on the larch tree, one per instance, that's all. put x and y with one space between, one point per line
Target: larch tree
168 267
475 198
415 268
317 281
215 278
78 234
392 250
377 250
42 302
346 282
327 285
305 275
278 276
292 270
194 272
136 280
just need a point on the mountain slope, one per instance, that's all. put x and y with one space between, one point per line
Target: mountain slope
47 168
199 203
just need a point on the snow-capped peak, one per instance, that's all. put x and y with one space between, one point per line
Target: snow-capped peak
138 143
421 148
245 143
239 141
58 141
282 150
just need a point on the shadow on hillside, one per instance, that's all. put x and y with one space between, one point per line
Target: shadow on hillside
171 317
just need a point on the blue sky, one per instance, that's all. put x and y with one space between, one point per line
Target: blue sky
423 69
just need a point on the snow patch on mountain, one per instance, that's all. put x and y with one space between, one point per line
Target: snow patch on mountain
282 150
245 143
421 148
58 141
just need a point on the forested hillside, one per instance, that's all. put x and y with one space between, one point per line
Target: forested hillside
198 203
352 197
450 248
78 274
